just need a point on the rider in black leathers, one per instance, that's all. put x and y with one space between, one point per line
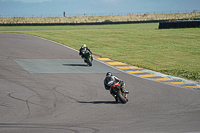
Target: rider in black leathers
83 49
113 79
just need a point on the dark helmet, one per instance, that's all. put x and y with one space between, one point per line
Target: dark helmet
108 74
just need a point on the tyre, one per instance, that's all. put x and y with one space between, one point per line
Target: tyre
121 98
89 62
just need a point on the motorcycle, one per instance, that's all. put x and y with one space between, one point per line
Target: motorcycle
88 58
121 96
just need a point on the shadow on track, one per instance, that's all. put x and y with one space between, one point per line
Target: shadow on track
100 102
75 65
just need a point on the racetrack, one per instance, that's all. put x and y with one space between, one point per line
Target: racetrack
45 87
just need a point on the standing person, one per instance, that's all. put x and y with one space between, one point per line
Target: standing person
83 50
64 13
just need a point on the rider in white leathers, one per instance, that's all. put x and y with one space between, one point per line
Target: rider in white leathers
83 49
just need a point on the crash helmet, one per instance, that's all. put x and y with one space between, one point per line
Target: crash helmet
108 74
84 45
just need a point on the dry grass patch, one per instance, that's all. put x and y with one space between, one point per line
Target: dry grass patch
85 19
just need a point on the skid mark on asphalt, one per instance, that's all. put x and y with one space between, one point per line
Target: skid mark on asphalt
151 75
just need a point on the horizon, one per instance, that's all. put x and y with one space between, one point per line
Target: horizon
56 8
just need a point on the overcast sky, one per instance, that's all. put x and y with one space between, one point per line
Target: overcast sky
96 7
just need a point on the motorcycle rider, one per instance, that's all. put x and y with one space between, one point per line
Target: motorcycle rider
83 49
110 80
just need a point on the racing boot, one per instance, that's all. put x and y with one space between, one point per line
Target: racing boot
91 58
123 89
125 92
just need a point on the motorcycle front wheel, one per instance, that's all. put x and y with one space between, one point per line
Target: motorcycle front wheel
89 62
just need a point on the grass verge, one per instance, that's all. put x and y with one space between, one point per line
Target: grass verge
171 51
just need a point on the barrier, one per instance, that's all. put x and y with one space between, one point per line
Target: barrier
180 24
163 24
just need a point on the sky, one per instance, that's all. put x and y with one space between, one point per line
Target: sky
46 8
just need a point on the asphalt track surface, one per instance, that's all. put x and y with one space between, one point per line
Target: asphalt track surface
46 88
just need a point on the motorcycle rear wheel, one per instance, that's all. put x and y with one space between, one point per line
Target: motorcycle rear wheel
121 98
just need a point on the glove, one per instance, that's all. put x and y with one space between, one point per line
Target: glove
121 81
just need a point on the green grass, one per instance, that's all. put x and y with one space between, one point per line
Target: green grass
171 51
34 28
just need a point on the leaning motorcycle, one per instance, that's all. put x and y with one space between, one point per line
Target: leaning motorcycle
122 96
88 58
